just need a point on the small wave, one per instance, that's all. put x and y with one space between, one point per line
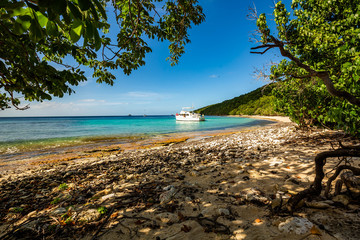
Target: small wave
11 150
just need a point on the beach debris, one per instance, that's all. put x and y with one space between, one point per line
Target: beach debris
165 197
256 196
343 199
316 204
89 215
59 211
296 225
224 211
167 218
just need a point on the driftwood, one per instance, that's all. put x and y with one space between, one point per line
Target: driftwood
320 161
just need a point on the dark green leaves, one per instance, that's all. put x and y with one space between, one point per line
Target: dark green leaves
319 82
84 4
52 29
75 11
59 6
22 24
76 30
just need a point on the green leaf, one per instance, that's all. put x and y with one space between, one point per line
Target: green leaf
84 4
42 19
94 12
22 24
89 30
75 32
20 11
36 33
59 6
101 9
75 10
347 65
11 6
51 15
97 39
52 29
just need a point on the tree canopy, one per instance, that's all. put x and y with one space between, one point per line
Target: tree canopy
321 71
35 33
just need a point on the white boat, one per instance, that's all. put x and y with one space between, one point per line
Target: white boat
189 115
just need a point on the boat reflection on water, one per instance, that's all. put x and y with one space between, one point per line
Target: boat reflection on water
185 126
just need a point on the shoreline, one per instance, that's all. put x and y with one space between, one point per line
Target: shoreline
77 150
270 118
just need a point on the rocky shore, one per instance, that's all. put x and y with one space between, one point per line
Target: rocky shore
223 187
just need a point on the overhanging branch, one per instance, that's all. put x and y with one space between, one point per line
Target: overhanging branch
267 46
323 75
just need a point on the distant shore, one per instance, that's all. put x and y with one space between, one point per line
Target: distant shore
271 118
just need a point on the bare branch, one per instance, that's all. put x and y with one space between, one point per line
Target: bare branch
323 75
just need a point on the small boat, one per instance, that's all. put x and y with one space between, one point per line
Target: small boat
189 115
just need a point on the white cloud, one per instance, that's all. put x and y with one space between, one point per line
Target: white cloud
214 76
51 105
92 100
117 103
138 94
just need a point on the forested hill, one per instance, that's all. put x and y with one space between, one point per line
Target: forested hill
257 102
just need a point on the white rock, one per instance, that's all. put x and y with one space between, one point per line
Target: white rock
168 195
224 211
296 225
59 210
167 217
106 197
89 215
188 199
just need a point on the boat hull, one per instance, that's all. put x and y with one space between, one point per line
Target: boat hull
191 119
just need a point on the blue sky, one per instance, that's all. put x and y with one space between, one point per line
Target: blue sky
217 66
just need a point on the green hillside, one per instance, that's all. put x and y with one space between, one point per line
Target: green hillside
257 102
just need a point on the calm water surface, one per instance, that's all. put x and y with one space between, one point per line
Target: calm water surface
18 129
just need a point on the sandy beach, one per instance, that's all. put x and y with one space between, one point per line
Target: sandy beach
220 185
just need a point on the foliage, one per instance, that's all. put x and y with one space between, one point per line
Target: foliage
55 201
320 75
66 219
255 102
262 106
17 209
102 210
63 186
34 33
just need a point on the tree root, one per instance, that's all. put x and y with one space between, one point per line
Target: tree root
320 161
355 170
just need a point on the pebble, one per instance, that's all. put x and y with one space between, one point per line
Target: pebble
167 217
296 225
224 211
168 195
89 215
343 199
319 205
109 196
59 211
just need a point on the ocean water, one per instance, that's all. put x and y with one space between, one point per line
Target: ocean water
31 131
15 129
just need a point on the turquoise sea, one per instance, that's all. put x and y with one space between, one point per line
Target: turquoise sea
25 131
